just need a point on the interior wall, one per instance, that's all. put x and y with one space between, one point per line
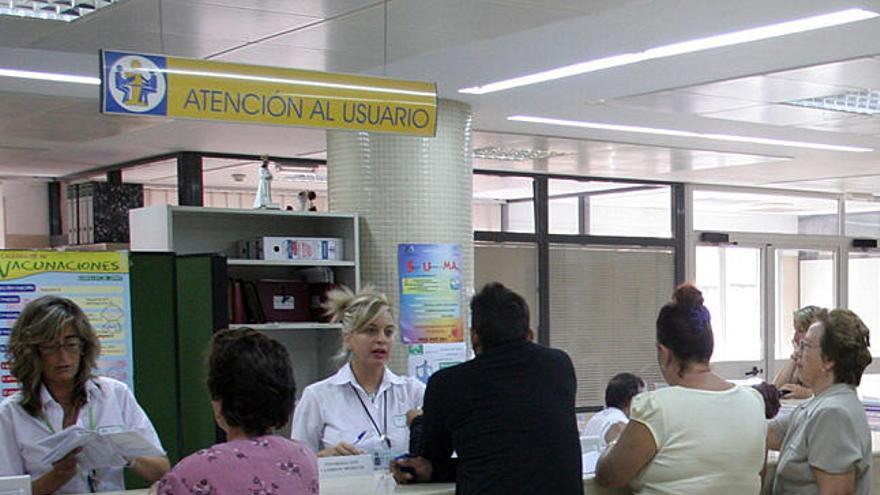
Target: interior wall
25 211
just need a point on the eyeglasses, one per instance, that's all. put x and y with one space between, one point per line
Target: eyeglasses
803 344
70 346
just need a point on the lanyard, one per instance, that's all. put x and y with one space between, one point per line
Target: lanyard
91 477
52 430
384 418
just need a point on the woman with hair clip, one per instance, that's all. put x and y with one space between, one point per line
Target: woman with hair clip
787 380
364 406
701 434
52 353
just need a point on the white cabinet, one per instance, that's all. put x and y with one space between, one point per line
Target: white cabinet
197 230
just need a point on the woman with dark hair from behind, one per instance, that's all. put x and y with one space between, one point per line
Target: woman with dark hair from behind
252 391
701 434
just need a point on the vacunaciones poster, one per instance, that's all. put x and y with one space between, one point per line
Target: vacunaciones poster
430 293
96 281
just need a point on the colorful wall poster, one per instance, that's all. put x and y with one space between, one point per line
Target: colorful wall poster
426 359
97 281
430 293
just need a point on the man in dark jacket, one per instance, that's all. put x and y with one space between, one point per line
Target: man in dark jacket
508 414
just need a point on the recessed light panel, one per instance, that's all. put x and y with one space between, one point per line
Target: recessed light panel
865 102
54 10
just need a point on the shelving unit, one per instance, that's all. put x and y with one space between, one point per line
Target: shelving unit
309 263
188 230
294 326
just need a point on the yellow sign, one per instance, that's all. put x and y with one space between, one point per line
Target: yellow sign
201 89
17 264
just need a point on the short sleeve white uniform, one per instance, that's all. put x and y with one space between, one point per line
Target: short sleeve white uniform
601 422
329 411
110 403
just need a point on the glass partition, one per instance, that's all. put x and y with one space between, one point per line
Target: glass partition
503 203
610 209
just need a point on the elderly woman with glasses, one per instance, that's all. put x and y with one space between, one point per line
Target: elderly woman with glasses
52 354
825 444
787 380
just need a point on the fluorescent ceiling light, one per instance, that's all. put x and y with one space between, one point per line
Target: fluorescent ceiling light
48 76
697 45
687 134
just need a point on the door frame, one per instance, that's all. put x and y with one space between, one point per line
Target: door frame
768 245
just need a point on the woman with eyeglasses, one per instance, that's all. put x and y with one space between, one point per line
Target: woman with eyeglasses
52 354
825 444
787 380
364 407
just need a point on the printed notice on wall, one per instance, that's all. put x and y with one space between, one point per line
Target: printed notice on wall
96 281
426 359
430 293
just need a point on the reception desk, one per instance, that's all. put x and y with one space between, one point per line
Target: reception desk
384 484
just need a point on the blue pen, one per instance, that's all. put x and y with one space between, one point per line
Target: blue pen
360 437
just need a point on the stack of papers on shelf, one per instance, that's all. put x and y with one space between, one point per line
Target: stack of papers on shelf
107 447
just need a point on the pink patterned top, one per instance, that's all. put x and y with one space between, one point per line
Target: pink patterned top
267 465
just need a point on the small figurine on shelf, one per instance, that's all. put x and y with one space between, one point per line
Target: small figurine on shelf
306 201
264 189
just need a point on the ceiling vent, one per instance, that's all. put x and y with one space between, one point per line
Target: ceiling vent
513 155
54 10
865 102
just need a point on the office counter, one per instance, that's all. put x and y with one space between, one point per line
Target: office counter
385 485
352 487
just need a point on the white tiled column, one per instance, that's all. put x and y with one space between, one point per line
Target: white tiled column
406 190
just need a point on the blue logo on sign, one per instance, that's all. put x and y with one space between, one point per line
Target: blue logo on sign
135 84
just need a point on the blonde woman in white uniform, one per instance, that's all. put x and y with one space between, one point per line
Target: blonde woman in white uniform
364 406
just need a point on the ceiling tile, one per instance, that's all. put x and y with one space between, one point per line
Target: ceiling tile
75 122
765 89
311 8
302 58
123 26
203 21
784 115
571 6
860 73
18 32
362 32
681 102
856 124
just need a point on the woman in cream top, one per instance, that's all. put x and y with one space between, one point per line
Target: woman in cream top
700 435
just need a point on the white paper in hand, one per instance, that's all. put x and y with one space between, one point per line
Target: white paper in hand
101 449
60 444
